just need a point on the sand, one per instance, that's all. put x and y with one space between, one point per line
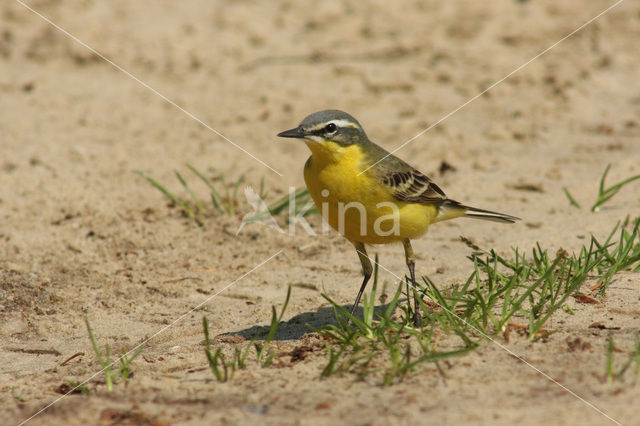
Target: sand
82 235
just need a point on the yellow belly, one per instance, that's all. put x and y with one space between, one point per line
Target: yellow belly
359 207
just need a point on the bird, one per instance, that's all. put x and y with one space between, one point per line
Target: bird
371 196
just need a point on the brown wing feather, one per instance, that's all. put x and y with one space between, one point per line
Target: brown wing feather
412 186
408 184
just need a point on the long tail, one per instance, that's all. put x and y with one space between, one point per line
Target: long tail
451 209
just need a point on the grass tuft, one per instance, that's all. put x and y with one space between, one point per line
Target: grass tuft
500 295
604 194
614 375
223 367
105 361
532 288
225 200
382 345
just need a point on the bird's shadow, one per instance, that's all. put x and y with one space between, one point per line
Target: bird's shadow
301 324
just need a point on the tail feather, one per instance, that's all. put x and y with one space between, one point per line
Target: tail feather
451 209
489 215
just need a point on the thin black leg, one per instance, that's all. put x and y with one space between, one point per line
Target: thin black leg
367 270
416 305
411 264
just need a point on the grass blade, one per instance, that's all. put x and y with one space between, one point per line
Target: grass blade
176 200
215 196
190 192
605 195
572 200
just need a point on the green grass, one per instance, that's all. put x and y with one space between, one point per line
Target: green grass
518 292
123 372
633 360
572 200
521 292
225 198
384 346
604 194
223 367
532 288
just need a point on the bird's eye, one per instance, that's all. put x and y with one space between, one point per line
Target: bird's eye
330 128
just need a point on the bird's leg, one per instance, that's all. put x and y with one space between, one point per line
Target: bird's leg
411 263
367 270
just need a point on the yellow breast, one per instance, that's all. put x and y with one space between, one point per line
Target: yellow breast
359 206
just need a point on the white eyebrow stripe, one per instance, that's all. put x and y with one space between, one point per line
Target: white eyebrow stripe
345 123
338 123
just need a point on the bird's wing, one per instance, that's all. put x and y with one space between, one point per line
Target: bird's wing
408 184
413 187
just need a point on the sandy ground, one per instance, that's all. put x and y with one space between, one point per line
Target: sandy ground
82 235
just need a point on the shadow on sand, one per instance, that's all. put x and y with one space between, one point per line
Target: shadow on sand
301 324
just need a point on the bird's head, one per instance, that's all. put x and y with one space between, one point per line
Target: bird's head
328 130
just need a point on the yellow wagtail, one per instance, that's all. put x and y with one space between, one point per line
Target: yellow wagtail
370 196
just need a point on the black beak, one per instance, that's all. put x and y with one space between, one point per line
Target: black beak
292 133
